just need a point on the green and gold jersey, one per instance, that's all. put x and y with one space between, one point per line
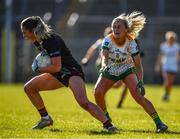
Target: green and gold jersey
120 57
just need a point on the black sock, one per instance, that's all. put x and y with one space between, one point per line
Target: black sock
107 124
43 112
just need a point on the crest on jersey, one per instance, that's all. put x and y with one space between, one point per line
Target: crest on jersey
106 43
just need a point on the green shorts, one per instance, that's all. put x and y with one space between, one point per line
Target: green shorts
105 73
98 67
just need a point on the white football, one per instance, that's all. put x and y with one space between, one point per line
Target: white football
42 59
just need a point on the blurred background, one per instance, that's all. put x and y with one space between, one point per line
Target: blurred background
81 23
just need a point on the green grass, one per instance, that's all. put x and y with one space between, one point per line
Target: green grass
17 115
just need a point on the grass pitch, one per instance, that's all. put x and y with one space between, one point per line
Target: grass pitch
17 115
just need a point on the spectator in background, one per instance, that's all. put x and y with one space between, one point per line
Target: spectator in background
167 62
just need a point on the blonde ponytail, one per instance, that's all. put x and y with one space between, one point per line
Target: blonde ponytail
134 22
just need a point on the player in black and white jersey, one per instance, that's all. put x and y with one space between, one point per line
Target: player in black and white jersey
63 71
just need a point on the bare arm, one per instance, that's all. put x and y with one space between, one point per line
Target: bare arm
138 65
54 67
91 51
104 55
158 62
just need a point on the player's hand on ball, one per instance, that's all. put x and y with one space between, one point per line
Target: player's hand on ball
35 67
140 86
40 61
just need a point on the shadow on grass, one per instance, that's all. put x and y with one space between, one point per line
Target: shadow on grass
90 132
173 132
139 131
149 131
54 130
102 132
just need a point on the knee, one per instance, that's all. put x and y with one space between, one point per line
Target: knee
139 99
137 96
166 83
171 83
28 88
84 104
98 93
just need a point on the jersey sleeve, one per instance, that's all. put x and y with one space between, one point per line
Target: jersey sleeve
53 48
133 48
97 44
105 44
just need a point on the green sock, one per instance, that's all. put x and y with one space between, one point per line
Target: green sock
107 115
166 93
156 118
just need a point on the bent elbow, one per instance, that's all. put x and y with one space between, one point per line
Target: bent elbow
58 68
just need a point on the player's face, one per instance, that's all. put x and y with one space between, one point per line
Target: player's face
171 40
118 28
27 34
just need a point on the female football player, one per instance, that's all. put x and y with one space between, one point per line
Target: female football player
91 52
168 60
64 71
121 61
